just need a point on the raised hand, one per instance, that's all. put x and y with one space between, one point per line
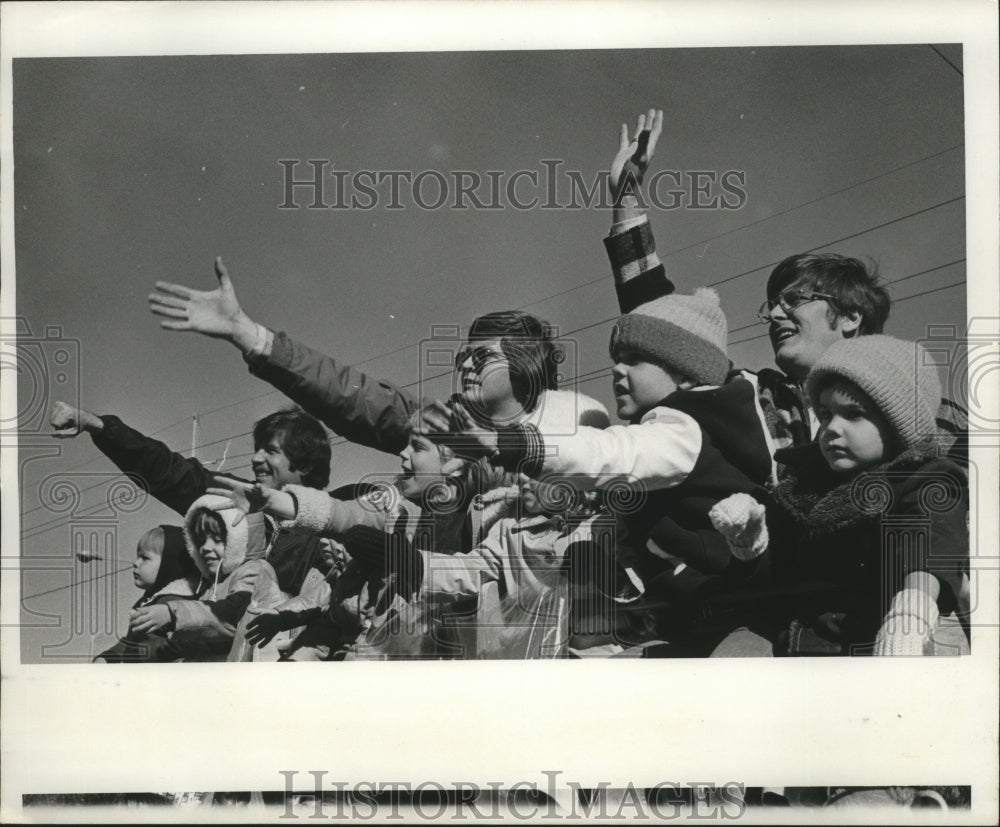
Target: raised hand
70 422
216 313
246 497
630 163
467 437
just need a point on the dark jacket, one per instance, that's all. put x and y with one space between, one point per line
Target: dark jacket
840 550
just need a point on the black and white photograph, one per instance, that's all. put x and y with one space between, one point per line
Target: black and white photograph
568 412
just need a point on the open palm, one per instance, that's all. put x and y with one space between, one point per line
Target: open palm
211 312
632 159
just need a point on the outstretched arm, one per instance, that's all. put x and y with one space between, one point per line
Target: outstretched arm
367 411
173 479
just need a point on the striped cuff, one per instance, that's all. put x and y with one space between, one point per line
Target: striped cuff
520 448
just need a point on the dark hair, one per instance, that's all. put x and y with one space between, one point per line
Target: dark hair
527 343
205 523
853 284
303 440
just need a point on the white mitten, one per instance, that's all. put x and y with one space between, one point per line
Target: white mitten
908 628
740 519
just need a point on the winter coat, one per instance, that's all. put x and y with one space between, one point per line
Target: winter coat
839 549
517 577
662 475
204 629
372 616
176 579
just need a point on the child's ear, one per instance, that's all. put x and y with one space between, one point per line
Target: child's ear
452 467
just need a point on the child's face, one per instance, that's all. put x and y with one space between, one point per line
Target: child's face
148 554
422 466
531 494
212 549
639 384
485 376
853 434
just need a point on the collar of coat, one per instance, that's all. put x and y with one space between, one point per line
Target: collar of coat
821 501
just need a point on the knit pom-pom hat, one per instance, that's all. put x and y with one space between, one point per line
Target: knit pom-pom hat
684 332
243 542
897 375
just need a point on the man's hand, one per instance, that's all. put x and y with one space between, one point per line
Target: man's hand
630 163
246 497
70 422
150 619
216 313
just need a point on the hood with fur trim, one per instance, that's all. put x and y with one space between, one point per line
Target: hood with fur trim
244 541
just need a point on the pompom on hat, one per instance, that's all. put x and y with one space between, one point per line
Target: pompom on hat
895 374
684 332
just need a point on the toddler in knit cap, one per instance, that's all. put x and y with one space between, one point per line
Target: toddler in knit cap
871 510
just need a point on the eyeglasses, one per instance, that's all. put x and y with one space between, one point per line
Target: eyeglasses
480 356
789 300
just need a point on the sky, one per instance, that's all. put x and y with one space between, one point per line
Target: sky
136 169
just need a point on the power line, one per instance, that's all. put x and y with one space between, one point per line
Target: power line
76 583
759 221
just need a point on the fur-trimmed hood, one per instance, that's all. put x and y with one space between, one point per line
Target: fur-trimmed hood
244 541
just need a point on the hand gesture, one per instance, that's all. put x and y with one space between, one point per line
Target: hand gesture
149 619
215 313
265 626
70 422
246 497
632 159
467 437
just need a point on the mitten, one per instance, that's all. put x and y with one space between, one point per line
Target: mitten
740 519
908 628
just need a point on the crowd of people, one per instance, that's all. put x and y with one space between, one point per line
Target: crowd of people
817 509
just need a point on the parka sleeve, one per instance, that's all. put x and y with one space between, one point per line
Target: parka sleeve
318 512
370 412
452 577
209 621
175 480
659 452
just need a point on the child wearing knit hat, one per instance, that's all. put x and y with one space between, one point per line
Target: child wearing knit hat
869 530
691 438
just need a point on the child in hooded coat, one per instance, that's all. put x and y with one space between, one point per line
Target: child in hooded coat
166 570
227 550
